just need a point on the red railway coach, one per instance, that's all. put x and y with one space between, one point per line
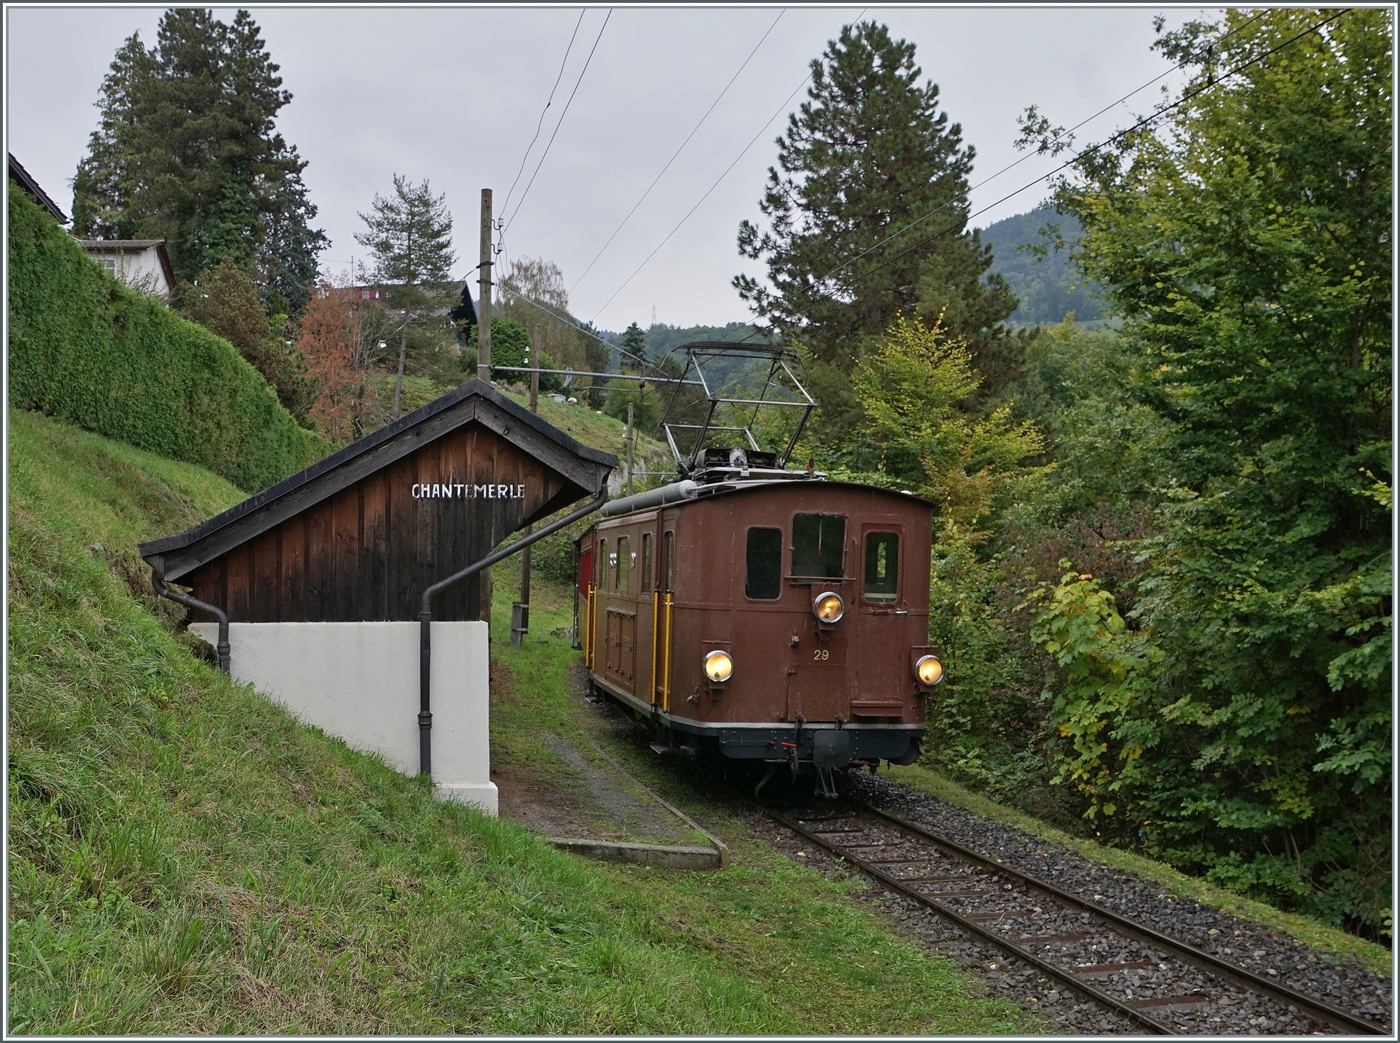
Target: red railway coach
774 617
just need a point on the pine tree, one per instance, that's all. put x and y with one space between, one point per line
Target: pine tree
867 155
634 343
410 235
187 151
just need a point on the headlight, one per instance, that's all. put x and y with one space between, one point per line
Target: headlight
929 670
718 665
829 607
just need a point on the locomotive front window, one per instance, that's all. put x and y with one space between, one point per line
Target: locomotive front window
881 567
623 561
764 561
817 541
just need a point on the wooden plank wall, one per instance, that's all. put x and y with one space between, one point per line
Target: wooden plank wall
368 552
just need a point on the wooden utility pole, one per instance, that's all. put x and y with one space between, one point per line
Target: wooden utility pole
535 376
483 317
520 613
483 358
631 437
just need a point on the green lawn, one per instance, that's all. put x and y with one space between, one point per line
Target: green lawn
185 858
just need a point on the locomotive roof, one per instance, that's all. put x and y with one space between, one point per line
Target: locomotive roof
731 488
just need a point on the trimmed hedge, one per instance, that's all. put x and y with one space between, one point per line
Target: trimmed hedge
88 350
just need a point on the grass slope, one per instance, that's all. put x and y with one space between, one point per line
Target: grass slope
184 857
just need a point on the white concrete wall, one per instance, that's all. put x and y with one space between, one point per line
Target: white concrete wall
359 681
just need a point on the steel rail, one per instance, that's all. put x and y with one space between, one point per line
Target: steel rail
975 929
1245 979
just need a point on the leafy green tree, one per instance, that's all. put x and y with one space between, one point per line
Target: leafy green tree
225 302
410 235
187 151
867 156
1249 249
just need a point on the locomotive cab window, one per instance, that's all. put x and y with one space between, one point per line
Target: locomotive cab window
601 565
881 567
764 564
646 562
817 541
668 565
620 577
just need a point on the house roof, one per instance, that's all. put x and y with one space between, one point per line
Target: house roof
585 468
133 246
35 193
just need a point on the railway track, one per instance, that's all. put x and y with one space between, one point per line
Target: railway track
1157 983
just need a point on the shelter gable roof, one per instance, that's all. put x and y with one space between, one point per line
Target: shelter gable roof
581 465
30 186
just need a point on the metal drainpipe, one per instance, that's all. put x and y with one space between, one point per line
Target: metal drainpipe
425 622
158 582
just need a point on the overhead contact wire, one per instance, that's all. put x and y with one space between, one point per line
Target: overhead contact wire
547 104
706 196
827 295
678 151
563 114
1029 155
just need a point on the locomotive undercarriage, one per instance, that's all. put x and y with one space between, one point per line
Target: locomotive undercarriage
804 746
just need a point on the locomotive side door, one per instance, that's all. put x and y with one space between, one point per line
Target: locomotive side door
581 595
646 610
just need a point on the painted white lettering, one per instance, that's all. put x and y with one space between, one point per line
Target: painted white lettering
503 491
459 487
479 490
415 491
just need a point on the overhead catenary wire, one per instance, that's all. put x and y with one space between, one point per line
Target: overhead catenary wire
1144 121
702 199
547 104
506 224
711 189
1029 155
679 150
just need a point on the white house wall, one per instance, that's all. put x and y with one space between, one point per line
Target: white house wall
141 270
359 681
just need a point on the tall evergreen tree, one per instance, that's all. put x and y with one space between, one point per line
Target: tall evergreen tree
868 155
410 235
187 151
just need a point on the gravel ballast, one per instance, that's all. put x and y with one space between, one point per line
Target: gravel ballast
1343 983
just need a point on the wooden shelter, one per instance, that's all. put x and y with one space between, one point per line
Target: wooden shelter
360 535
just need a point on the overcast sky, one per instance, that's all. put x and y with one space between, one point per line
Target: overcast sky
454 95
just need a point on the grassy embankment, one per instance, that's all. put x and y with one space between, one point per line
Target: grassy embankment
185 858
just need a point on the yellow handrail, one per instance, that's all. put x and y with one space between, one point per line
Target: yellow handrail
588 629
666 676
655 626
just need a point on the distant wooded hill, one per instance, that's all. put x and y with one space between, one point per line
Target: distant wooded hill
1047 286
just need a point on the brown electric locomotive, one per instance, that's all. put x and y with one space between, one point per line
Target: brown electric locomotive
762 613
772 617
